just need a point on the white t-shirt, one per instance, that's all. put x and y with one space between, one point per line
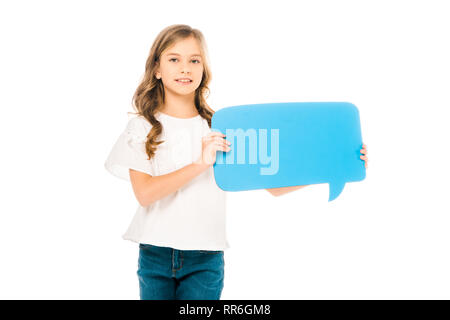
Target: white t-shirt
191 218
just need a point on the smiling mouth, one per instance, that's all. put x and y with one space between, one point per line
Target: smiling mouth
184 82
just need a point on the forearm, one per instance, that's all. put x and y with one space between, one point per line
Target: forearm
160 186
280 191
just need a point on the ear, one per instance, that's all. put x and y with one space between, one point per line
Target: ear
157 72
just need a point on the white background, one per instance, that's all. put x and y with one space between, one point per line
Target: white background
68 73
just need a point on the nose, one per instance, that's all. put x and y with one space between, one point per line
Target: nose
185 69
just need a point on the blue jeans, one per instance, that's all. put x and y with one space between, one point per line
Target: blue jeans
169 274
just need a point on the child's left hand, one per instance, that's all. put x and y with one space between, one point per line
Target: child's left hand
364 151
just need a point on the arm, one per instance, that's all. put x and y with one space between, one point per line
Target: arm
149 189
280 191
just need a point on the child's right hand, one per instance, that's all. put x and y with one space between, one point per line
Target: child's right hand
211 143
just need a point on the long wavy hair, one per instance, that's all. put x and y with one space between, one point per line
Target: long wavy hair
149 95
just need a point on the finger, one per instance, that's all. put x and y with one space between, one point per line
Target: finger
221 140
220 143
217 139
363 157
215 134
221 147
212 138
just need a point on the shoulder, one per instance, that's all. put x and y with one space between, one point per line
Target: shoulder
138 125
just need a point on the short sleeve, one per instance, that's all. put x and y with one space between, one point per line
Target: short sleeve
129 151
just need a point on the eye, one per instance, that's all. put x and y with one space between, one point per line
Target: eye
198 61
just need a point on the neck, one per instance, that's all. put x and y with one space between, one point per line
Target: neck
179 106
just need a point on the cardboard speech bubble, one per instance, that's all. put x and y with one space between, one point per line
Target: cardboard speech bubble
288 144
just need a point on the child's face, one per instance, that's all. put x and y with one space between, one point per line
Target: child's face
182 60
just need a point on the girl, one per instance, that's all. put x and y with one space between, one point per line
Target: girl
168 152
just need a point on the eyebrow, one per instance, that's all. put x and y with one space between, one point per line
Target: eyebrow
176 54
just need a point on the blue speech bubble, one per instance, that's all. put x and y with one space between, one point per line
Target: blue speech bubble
277 145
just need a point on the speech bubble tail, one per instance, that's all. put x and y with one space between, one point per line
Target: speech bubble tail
335 190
